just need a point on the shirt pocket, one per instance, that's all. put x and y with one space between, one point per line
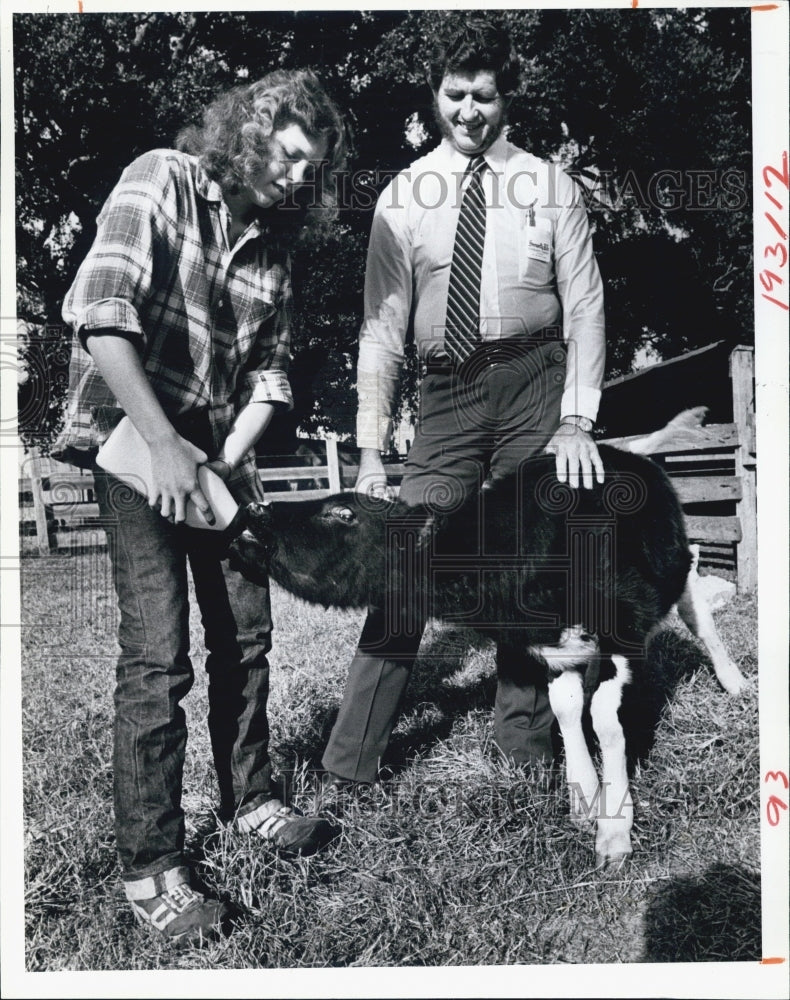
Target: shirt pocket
251 318
259 309
536 251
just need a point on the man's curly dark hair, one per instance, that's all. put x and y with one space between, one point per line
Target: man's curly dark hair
234 143
477 45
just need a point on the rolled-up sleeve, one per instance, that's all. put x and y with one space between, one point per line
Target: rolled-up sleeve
269 387
581 293
268 381
388 295
115 279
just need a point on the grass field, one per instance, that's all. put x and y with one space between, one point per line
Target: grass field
458 859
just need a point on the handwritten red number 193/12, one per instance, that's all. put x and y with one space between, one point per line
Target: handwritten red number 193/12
778 251
775 805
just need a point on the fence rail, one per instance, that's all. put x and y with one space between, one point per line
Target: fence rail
57 500
718 507
715 477
716 474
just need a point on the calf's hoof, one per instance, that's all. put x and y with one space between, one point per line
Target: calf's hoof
732 680
611 862
612 847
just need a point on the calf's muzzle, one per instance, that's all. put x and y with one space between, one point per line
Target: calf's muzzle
249 553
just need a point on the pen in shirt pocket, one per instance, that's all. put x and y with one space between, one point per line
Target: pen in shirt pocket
530 216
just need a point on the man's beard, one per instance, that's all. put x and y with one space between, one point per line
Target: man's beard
447 129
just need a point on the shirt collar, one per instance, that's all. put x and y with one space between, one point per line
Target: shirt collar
495 156
205 187
211 191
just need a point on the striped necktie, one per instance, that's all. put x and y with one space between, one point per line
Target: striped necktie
462 330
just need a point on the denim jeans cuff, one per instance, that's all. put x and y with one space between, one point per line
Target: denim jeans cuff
155 885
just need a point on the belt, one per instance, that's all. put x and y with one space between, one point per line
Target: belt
496 352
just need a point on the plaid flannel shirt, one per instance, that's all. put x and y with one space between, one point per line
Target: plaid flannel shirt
212 323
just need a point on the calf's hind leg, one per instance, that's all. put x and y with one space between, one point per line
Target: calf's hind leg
695 612
616 807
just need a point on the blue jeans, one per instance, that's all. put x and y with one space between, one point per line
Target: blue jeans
149 557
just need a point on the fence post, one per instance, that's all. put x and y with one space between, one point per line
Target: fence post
42 536
742 375
332 465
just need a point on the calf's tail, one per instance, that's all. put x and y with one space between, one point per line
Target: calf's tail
683 431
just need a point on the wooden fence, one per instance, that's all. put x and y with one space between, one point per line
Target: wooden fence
57 503
715 479
304 481
716 476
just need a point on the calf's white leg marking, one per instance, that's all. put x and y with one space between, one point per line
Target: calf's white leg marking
566 695
616 807
695 612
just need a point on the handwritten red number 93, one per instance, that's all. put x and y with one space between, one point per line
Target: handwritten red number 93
775 804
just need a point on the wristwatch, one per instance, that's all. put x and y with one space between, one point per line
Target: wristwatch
583 423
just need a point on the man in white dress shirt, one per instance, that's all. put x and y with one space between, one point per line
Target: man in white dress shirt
530 379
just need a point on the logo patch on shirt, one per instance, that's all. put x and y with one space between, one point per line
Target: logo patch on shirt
539 249
536 250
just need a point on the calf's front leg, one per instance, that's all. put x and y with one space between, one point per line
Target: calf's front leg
566 695
616 807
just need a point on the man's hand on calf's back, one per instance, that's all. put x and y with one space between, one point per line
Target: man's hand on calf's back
372 477
576 454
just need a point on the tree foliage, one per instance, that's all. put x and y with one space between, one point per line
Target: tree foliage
650 109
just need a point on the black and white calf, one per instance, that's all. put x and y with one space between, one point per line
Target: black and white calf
579 577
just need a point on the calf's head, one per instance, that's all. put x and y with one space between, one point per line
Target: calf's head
329 552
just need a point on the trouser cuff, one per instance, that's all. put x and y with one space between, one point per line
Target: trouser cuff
352 762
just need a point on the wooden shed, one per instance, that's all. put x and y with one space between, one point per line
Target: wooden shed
716 478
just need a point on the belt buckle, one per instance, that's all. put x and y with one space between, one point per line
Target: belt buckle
438 366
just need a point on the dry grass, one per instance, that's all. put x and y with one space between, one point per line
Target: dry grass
459 859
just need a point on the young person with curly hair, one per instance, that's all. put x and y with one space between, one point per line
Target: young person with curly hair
182 319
